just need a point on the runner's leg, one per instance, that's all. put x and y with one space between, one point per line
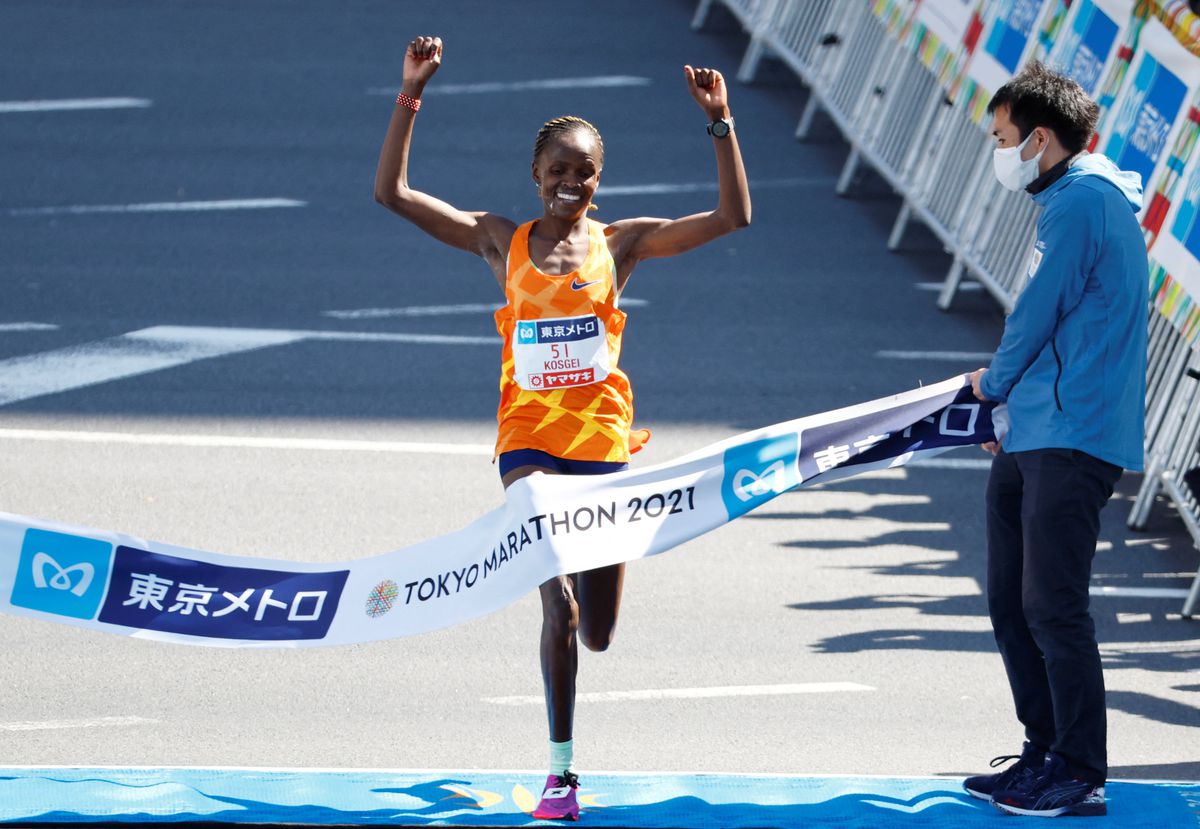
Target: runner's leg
559 647
560 654
599 599
584 605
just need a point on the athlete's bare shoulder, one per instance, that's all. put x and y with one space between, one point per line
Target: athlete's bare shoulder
499 233
500 230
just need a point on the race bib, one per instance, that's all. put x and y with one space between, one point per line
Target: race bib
560 353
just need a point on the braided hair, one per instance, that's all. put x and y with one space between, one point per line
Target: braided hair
561 126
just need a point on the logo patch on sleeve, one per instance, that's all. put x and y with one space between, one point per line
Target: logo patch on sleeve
1036 260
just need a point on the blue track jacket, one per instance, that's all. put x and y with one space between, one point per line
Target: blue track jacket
1072 361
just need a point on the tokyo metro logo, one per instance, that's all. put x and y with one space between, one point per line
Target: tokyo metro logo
61 574
757 471
62 578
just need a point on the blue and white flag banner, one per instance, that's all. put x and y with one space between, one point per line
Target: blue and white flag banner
1151 106
1087 46
550 525
1009 37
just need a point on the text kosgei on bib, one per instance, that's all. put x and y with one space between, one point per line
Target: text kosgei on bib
560 353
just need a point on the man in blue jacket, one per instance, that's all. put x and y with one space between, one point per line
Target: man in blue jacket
1071 366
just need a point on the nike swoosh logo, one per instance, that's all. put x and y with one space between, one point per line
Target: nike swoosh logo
576 285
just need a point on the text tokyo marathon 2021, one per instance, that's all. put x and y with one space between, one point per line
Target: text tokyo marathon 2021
538 527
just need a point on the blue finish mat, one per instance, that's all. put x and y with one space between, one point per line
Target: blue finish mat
419 798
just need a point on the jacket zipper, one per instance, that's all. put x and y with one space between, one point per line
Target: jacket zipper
1057 377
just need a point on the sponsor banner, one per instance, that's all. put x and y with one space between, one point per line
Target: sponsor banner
1175 302
1009 39
948 20
1088 43
943 34
549 525
1150 109
894 14
1175 255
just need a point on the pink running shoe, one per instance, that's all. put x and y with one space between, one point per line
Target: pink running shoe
558 799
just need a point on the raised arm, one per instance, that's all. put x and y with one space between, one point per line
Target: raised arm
480 233
650 238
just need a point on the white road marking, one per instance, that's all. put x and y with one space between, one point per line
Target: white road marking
339 445
973 356
1134 618
415 311
592 82
443 310
280 336
63 104
167 346
27 326
242 442
97 722
159 207
696 693
373 337
936 287
129 355
664 189
1139 592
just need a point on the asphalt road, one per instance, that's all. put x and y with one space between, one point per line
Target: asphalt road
876 581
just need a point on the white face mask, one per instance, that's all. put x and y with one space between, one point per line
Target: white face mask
1011 171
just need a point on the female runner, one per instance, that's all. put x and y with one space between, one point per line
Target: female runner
565 406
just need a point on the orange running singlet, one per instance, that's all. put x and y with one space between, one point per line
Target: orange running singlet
560 388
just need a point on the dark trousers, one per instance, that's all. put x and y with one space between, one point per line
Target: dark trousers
1043 519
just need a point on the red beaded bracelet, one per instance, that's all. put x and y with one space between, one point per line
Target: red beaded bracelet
407 100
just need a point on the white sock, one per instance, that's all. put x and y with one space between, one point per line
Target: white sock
562 755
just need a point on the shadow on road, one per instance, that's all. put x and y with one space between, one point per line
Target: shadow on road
1134 632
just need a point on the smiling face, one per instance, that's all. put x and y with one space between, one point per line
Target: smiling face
567 172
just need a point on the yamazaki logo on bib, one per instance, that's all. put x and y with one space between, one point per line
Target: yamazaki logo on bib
560 353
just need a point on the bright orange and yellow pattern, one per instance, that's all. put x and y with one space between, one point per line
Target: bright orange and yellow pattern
589 422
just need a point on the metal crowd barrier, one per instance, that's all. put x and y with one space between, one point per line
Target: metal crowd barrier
896 116
1172 434
894 113
743 10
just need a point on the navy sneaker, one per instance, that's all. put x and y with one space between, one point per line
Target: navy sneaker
1030 760
1052 792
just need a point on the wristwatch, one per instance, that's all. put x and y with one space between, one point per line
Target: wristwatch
721 127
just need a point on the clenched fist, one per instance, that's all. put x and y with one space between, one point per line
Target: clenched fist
707 87
421 60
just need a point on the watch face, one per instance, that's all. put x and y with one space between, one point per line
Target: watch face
720 129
